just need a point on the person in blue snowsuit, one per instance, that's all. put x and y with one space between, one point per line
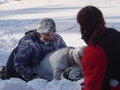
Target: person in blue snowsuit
32 48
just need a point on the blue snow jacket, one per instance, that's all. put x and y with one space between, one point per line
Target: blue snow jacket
29 52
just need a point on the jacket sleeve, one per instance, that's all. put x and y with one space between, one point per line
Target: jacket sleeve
61 43
94 62
23 59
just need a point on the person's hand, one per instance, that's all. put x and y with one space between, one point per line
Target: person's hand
75 74
72 73
114 82
34 76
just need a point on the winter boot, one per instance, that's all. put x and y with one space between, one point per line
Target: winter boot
2 72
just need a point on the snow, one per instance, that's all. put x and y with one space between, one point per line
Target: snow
19 16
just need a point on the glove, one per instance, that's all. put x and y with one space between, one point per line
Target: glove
73 73
29 78
114 82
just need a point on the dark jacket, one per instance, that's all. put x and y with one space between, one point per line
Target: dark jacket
29 52
102 63
111 46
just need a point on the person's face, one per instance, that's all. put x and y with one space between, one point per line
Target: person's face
47 37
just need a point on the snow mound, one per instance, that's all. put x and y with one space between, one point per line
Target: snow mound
39 84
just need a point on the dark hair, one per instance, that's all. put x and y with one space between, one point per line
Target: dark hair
92 24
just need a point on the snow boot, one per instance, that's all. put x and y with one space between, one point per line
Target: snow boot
2 72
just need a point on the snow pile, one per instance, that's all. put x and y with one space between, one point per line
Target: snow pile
17 17
39 84
14 84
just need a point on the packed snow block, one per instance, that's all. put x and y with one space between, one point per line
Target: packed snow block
55 63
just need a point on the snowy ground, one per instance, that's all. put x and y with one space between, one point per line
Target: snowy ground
17 17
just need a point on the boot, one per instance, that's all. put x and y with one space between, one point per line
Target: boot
2 72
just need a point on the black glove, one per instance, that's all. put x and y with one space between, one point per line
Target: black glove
35 76
29 78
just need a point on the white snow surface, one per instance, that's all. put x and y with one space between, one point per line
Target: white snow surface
20 16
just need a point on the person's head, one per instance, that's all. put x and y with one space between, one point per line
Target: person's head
46 28
91 23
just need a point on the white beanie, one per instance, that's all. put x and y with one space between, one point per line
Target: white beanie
78 53
46 25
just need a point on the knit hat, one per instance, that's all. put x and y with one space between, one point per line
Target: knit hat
78 53
46 25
